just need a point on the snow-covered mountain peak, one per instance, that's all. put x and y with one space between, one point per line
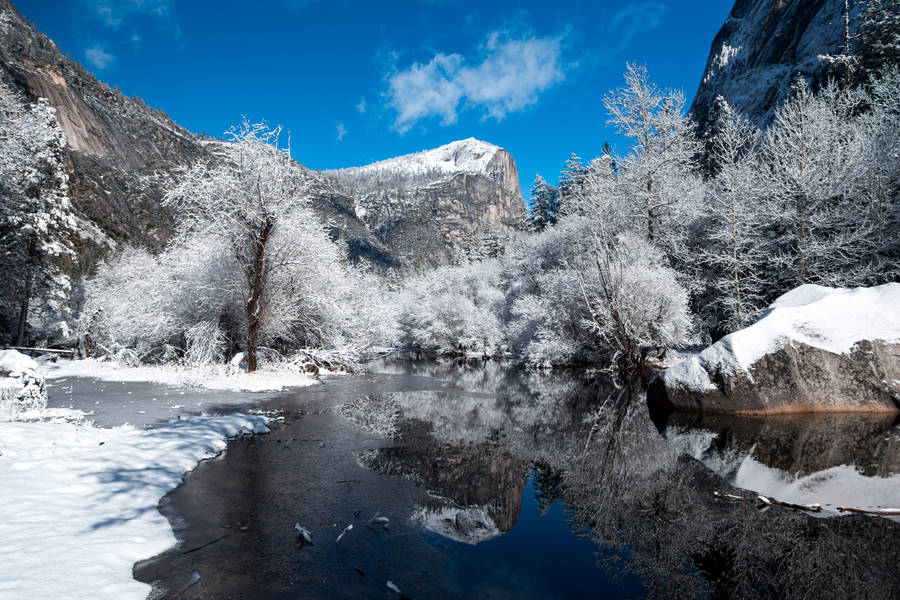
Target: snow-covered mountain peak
462 156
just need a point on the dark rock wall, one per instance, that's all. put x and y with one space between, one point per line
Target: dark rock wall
762 47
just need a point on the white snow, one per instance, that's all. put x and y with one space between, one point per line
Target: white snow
833 319
21 386
79 502
215 377
15 363
469 155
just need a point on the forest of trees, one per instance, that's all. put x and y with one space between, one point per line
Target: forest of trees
685 238
682 239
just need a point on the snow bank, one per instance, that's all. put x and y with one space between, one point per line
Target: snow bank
217 377
79 502
21 386
832 319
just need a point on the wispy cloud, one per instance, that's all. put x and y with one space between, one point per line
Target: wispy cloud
361 105
508 75
636 18
341 131
115 13
98 58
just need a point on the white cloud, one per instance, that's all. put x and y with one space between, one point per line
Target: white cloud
636 18
115 13
341 131
361 105
98 58
508 76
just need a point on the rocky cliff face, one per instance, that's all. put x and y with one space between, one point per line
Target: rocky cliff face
438 206
762 47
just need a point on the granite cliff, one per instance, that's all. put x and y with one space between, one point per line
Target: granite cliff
762 47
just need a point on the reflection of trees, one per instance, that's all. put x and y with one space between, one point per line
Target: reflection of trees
647 505
651 510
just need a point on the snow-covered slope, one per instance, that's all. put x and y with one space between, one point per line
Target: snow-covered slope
469 155
830 319
430 206
762 47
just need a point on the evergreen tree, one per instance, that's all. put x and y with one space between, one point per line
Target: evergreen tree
572 180
37 221
544 204
879 35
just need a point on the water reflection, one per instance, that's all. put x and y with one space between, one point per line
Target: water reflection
834 461
465 458
643 497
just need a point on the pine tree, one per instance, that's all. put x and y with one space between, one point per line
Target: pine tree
37 221
879 35
571 180
544 204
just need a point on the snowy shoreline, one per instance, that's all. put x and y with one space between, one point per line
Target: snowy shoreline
80 501
212 377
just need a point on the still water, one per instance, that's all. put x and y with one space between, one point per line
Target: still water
502 483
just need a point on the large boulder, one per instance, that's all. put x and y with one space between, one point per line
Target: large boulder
815 349
21 386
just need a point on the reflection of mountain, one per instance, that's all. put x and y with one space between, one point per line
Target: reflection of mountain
464 478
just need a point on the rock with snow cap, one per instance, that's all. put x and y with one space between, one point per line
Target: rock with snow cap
815 349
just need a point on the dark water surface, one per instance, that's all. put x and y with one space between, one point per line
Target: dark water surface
501 484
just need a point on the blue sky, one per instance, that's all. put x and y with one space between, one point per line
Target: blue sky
356 82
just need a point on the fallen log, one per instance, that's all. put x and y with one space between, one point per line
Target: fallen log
882 512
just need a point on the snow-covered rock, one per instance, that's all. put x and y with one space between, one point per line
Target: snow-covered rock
814 349
21 386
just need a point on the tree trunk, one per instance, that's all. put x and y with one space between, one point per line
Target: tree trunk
25 301
257 283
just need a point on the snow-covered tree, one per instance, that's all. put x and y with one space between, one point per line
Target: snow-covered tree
571 180
37 220
254 199
878 40
544 204
636 305
453 309
737 251
657 175
812 156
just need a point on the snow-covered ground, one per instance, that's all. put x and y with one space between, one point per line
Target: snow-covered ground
21 385
79 502
213 377
833 319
